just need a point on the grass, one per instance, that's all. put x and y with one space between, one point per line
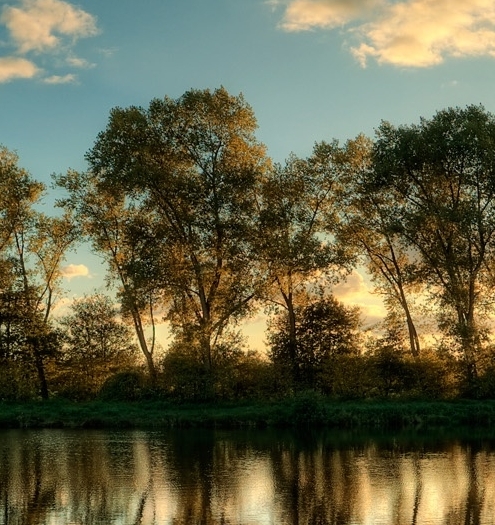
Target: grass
301 411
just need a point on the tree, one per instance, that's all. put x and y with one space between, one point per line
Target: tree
440 174
192 166
95 342
325 331
32 248
369 225
295 245
116 232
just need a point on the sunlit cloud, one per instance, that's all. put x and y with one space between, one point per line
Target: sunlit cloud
75 270
352 285
15 68
47 27
407 33
60 79
41 25
303 15
356 290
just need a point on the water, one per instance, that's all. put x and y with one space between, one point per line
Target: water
249 478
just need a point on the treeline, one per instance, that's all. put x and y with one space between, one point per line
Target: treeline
200 229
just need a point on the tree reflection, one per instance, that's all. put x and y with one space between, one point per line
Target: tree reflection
209 477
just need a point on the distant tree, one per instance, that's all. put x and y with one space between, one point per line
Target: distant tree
440 176
96 343
325 331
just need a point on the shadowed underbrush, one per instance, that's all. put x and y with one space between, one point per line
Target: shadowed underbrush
303 410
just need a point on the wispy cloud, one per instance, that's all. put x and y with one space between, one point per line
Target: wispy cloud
46 27
78 62
405 33
12 68
70 78
355 290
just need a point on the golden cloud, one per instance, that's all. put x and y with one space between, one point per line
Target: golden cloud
16 67
38 25
408 33
302 15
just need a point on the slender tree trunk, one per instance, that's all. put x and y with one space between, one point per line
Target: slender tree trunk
138 326
414 344
292 341
468 340
40 368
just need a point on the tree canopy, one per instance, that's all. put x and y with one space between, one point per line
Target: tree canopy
200 230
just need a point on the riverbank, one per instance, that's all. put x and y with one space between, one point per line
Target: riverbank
304 410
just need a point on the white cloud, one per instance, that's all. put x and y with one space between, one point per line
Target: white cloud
15 67
60 79
39 25
405 33
75 270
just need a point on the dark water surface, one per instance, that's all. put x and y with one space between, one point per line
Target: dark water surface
251 477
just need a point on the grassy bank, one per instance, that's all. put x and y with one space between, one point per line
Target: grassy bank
305 410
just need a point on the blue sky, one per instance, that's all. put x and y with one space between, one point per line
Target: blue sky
311 69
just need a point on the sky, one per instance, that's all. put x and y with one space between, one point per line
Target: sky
312 70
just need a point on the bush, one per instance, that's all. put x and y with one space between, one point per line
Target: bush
308 409
17 382
346 377
124 386
185 378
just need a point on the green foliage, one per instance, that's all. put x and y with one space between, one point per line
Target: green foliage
238 376
439 176
187 171
185 378
347 377
396 374
197 225
308 409
325 330
92 332
123 386
96 345
17 381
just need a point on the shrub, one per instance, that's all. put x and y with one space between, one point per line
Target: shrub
124 386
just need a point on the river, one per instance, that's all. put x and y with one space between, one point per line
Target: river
192 477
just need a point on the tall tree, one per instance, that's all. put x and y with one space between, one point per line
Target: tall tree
116 233
297 223
369 225
192 165
440 173
32 248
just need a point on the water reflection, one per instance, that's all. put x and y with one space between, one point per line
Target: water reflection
207 477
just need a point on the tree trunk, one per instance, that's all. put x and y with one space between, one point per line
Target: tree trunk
40 368
138 326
